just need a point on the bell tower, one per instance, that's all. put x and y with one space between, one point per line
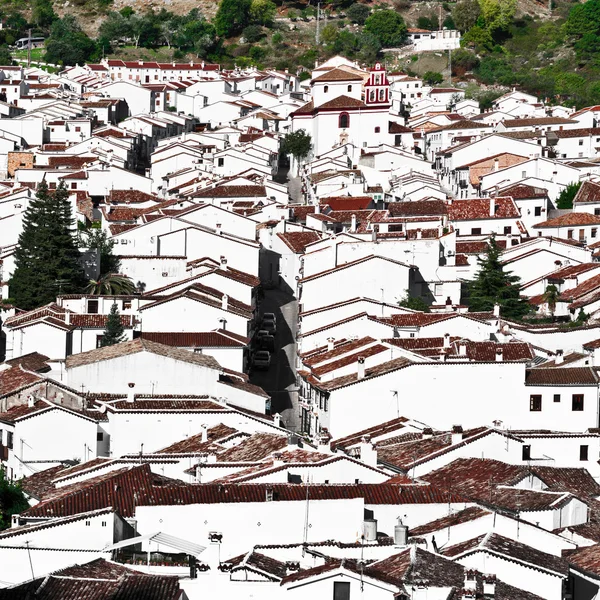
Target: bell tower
377 87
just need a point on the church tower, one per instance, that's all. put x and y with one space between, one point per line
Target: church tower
377 87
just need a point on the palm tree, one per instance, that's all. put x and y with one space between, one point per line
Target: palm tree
551 296
111 284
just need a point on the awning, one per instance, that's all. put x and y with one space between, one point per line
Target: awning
161 538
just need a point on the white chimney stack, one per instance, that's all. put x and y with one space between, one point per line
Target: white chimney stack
353 224
492 207
204 433
489 586
496 310
457 434
361 367
446 340
496 164
419 234
368 454
225 302
499 354
68 317
131 396
277 420
330 344
462 348
559 357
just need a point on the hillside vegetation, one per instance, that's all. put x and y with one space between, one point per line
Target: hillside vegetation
552 50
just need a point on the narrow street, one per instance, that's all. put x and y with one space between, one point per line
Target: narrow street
280 380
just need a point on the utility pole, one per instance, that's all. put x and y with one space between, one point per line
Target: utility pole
28 48
318 34
450 63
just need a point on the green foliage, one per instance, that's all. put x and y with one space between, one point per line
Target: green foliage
492 285
414 303
97 239
387 26
5 56
68 44
465 14
262 12
110 284
232 16
498 14
253 33
551 296
114 332
358 13
298 144
12 500
463 61
42 13
46 258
257 53
565 198
433 78
449 23
479 38
432 23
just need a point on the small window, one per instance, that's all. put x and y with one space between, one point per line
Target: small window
597 211
87 523
377 129
103 523
99 339
507 230
526 453
9 439
341 590
537 211
325 89
593 232
535 403
556 397
74 185
349 88
583 452
92 307
221 162
578 402
581 142
569 234
100 436
476 231
77 129
344 120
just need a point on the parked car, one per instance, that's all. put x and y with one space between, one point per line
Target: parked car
261 361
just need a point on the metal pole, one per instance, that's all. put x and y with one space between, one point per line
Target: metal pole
28 48
318 34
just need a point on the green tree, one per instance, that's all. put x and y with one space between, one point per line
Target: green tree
358 13
387 26
253 33
478 38
12 500
111 284
115 27
5 56
46 258
498 14
492 285
566 197
114 332
232 16
550 297
369 47
463 61
97 239
298 144
68 44
432 23
432 78
42 13
414 303
583 19
262 12
465 14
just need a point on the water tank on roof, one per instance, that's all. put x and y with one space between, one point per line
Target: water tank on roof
370 530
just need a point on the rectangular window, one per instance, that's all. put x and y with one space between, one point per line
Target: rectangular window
92 307
341 590
526 453
569 234
99 437
9 439
99 341
556 397
583 452
594 232
74 185
537 211
535 403
507 230
578 402
377 129
476 231
597 212
77 129
581 142
221 162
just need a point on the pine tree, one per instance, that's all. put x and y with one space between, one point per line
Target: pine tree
492 285
46 258
114 332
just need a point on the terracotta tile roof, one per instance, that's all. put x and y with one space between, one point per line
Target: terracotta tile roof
373 433
463 516
488 351
319 355
34 361
536 122
75 162
398 128
570 219
14 379
257 447
232 191
255 562
140 345
588 192
163 404
421 208
337 74
476 247
577 376
195 444
130 197
586 560
205 339
298 240
338 103
41 483
347 203
522 192
479 208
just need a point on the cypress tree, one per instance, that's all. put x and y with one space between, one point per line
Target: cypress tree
492 285
47 257
114 332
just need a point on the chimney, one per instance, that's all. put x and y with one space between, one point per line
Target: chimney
30 401
353 224
489 586
330 344
317 209
492 207
360 367
68 317
427 433
496 164
223 258
368 454
204 433
131 396
277 420
470 580
419 234
559 357
324 442
499 354
446 340
462 348
496 310
225 302
457 434
278 459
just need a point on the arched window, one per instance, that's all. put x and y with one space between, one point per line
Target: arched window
344 121
381 95
372 96
325 89
349 88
